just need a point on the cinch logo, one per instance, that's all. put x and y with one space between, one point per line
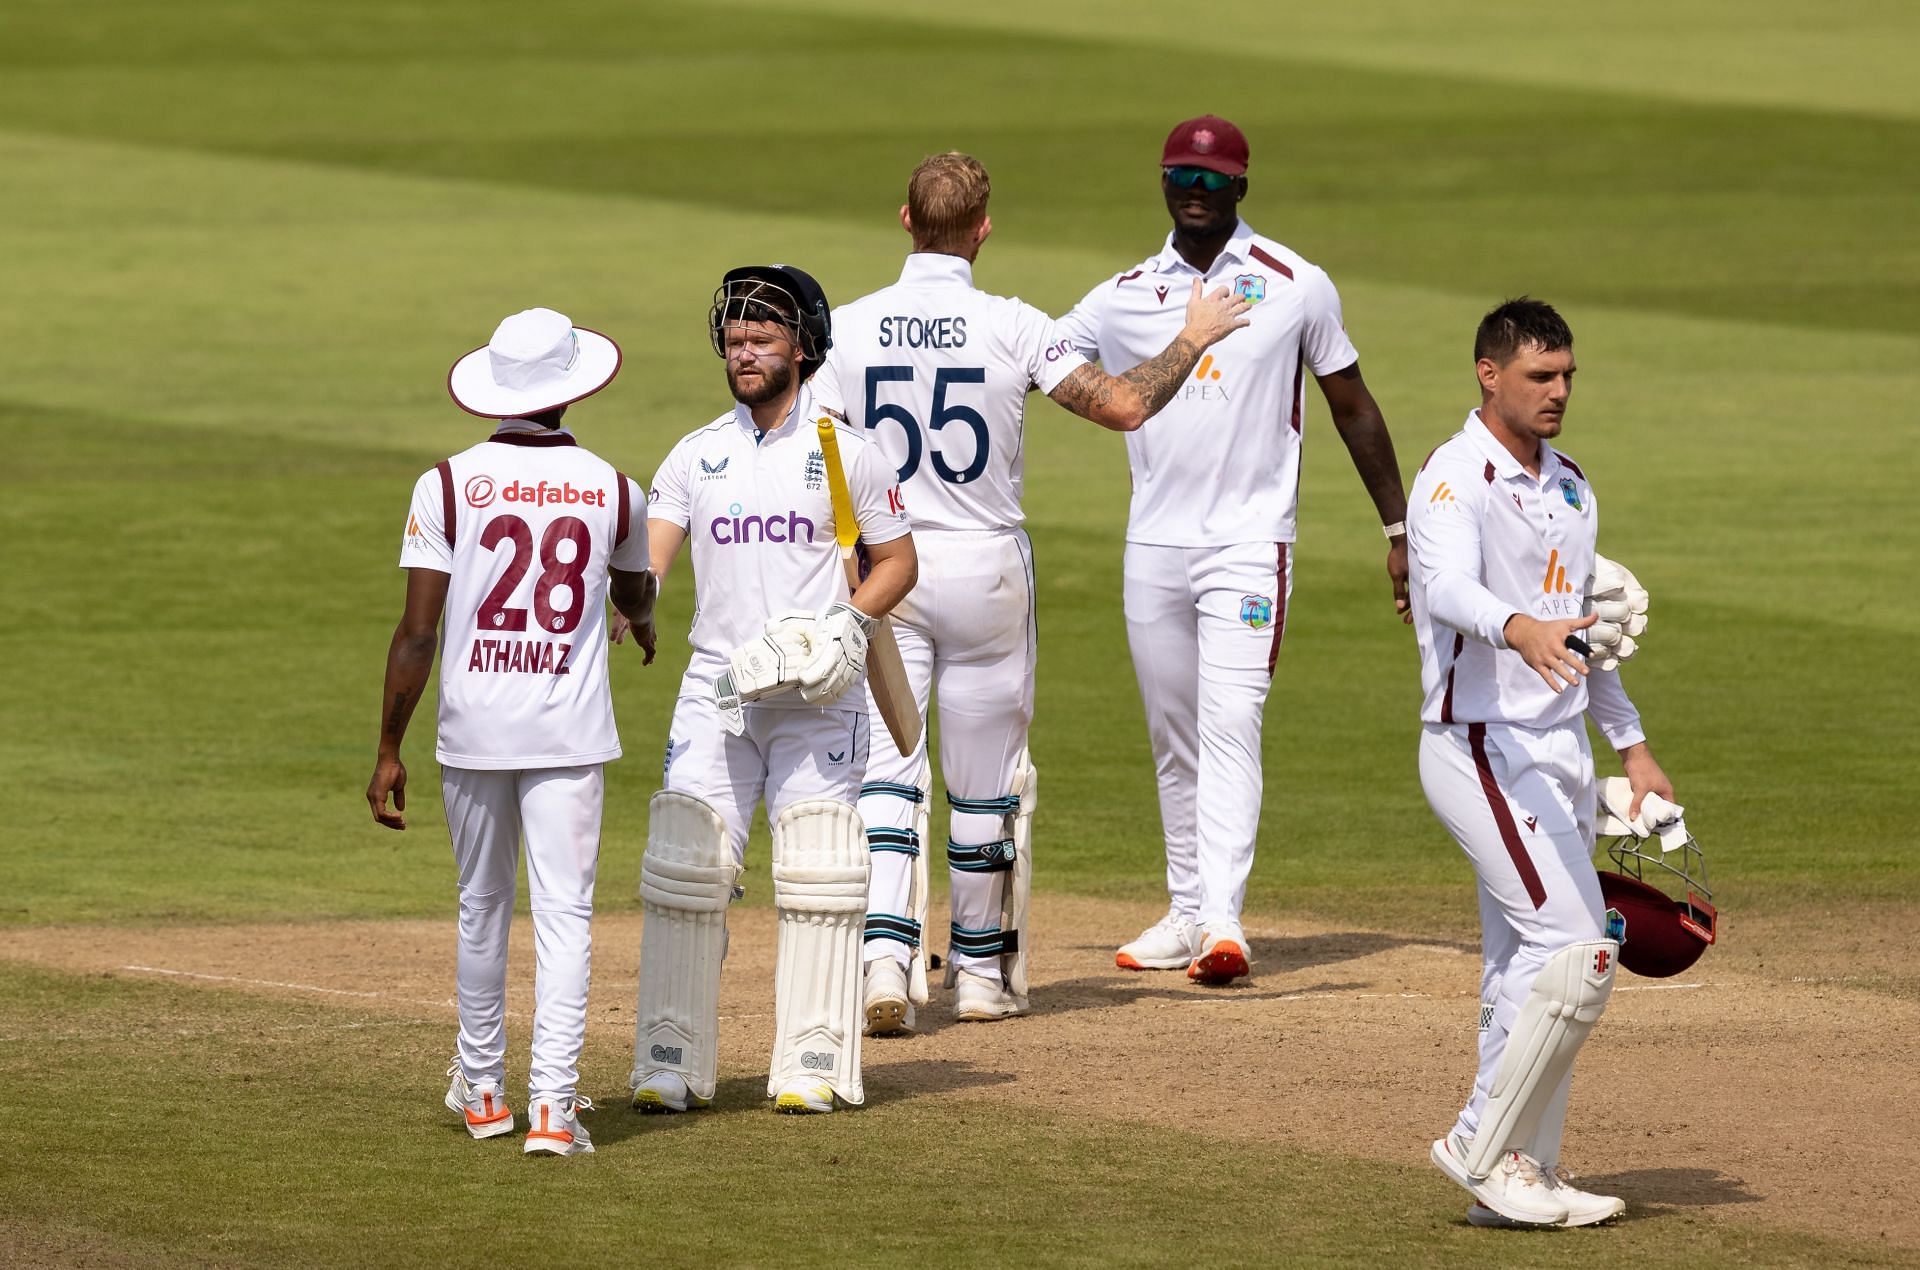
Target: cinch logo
480 491
1205 384
542 494
1555 583
734 528
816 1062
1057 351
1441 494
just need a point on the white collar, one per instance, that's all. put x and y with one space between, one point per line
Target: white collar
1239 247
933 268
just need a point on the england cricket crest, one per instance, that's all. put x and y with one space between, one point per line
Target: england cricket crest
1251 287
1256 611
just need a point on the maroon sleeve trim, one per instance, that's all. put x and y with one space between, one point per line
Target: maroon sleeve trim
1453 664
1269 261
1503 817
1299 386
446 497
1571 466
623 522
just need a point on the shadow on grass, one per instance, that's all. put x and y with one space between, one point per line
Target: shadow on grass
1661 1189
1170 987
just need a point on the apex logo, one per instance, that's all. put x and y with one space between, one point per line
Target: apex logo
1602 958
1206 370
1206 384
1442 493
1555 582
413 526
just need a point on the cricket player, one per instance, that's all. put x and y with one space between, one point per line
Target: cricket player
519 542
938 373
771 707
1502 533
1209 556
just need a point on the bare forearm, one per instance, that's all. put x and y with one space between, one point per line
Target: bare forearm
1371 448
409 662
633 595
1124 402
886 584
1158 378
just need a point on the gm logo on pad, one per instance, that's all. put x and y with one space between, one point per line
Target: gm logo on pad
665 1053
815 1061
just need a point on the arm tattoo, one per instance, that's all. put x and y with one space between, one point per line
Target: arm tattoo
1157 379
1086 392
402 710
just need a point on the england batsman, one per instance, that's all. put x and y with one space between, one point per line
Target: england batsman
937 372
518 542
1209 555
1502 533
771 706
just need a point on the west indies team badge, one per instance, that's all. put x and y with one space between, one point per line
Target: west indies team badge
1251 287
1256 611
1570 492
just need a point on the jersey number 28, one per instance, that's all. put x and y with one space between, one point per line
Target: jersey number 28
494 612
944 413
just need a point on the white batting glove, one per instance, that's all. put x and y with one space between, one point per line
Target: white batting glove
1616 598
839 654
768 665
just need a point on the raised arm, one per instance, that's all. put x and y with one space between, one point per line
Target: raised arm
1364 430
1124 402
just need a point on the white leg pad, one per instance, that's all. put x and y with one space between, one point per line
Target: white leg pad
1567 999
820 890
1019 889
686 882
920 893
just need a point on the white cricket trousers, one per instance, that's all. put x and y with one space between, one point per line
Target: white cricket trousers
966 635
1205 625
1520 802
557 811
784 755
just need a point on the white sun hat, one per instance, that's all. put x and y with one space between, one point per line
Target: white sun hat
536 360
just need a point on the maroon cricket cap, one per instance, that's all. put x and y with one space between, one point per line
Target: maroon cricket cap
1207 142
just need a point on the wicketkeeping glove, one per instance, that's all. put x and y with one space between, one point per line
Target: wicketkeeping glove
839 654
1617 599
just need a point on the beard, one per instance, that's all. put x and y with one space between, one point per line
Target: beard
774 380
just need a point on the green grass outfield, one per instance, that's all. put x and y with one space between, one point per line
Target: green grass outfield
241 244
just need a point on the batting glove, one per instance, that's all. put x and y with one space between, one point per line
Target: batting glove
839 654
1616 598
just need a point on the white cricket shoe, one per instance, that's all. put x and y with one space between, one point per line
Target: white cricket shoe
804 1096
1516 1189
1584 1208
1223 956
483 1105
666 1092
553 1126
889 1010
1169 944
983 998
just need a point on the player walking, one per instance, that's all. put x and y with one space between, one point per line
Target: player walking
520 541
764 710
1502 534
1208 566
939 372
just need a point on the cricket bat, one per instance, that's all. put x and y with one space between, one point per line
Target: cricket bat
886 673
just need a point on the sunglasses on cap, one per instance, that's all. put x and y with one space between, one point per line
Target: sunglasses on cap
1206 178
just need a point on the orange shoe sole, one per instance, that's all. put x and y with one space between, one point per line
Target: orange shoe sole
1227 962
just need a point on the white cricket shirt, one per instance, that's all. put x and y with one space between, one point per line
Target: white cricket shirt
1221 463
1485 541
527 523
938 373
759 523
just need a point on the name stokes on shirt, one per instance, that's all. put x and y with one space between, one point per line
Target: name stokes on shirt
904 331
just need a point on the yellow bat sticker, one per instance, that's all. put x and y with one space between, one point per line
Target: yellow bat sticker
846 530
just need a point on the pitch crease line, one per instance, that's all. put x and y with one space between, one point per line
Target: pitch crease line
291 987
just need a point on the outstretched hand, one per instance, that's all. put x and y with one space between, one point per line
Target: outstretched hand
1543 646
1211 317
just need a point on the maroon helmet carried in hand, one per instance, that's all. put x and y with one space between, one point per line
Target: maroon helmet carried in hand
1659 935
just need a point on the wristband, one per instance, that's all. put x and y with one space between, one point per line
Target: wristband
1395 530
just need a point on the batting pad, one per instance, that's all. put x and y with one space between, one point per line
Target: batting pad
1568 997
1019 889
686 883
820 891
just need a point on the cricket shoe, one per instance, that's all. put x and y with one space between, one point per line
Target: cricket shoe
554 1128
1222 957
889 1009
1584 1208
804 1096
1169 944
983 998
1517 1189
483 1105
664 1092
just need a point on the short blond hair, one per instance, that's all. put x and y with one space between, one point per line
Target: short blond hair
947 199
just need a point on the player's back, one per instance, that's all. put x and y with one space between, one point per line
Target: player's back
527 525
938 373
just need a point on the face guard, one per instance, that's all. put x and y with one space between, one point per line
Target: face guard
1656 858
779 295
